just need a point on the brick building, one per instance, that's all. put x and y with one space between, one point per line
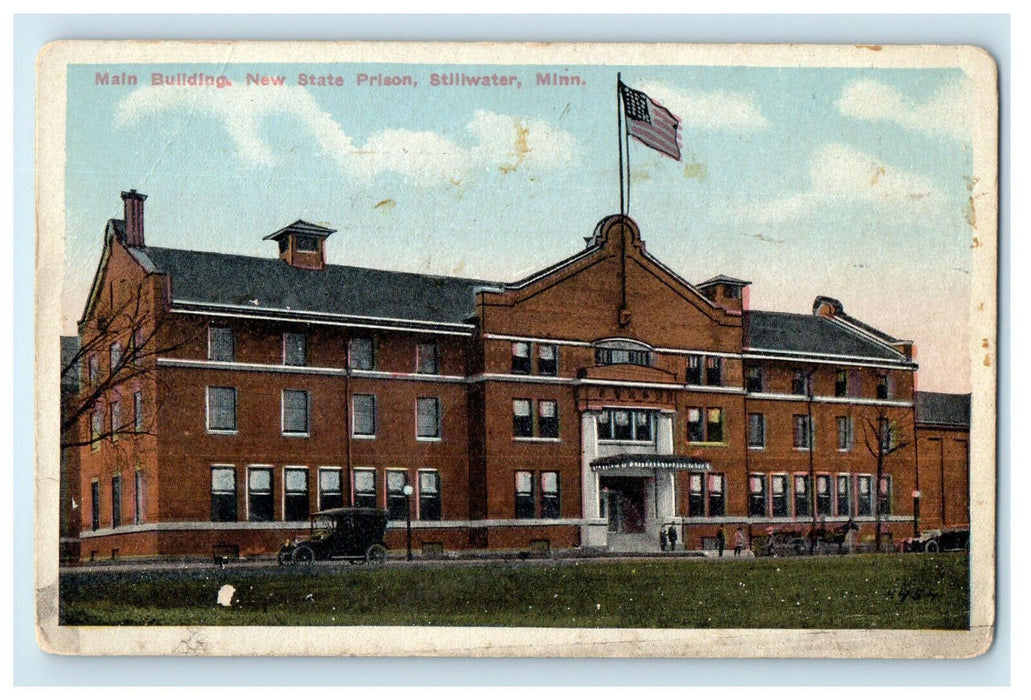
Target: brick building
587 405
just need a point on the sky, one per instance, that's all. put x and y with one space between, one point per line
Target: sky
843 182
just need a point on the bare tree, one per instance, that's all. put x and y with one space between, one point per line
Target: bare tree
883 435
130 335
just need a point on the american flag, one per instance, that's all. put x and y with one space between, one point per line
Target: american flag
651 123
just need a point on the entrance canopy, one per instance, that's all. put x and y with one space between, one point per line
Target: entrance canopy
618 462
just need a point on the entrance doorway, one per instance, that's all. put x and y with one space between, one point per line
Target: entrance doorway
623 498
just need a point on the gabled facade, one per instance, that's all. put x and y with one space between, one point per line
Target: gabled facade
588 405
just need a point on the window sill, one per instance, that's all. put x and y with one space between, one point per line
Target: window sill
536 439
802 449
221 432
757 448
419 438
707 444
296 435
363 437
605 441
844 449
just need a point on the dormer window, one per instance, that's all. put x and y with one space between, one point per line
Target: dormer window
302 244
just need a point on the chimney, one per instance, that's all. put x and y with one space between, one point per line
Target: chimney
133 218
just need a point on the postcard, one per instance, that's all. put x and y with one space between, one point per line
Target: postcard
392 349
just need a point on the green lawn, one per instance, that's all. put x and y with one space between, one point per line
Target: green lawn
866 591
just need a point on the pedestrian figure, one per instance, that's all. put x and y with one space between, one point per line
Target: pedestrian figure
672 534
850 536
662 539
739 540
721 540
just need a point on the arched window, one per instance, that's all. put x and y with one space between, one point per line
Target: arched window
622 352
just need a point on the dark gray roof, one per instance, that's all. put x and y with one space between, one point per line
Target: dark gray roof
723 279
301 227
943 409
774 330
270 283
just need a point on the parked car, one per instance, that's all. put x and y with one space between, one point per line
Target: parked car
355 534
953 539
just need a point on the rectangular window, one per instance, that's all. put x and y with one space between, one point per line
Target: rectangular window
754 380
365 488
642 426
137 411
116 420
428 419
520 358
823 494
96 429
364 407
717 497
757 496
799 383
547 419
138 349
882 386
220 344
841 383
844 433
139 498
331 488
695 495
525 506
397 503
116 500
886 431
605 425
522 419
93 369
547 360
296 504
362 355
779 495
802 497
802 433
550 506
622 356
695 425
844 499
429 495
223 494
306 244
864 505
295 412
623 427
95 504
694 369
756 430
259 495
116 357
855 383
221 408
884 495
714 425
713 371
295 349
426 360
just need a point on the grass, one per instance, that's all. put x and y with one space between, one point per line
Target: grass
856 592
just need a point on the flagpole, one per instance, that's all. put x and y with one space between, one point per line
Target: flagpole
619 130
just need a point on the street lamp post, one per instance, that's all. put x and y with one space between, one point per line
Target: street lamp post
408 491
916 513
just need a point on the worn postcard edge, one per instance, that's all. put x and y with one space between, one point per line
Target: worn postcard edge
492 642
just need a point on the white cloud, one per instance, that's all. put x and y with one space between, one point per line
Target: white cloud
946 112
842 174
426 158
717 110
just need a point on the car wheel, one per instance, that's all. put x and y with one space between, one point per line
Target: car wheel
932 546
304 555
285 558
376 554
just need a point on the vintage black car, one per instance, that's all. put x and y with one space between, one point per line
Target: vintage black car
953 539
355 534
